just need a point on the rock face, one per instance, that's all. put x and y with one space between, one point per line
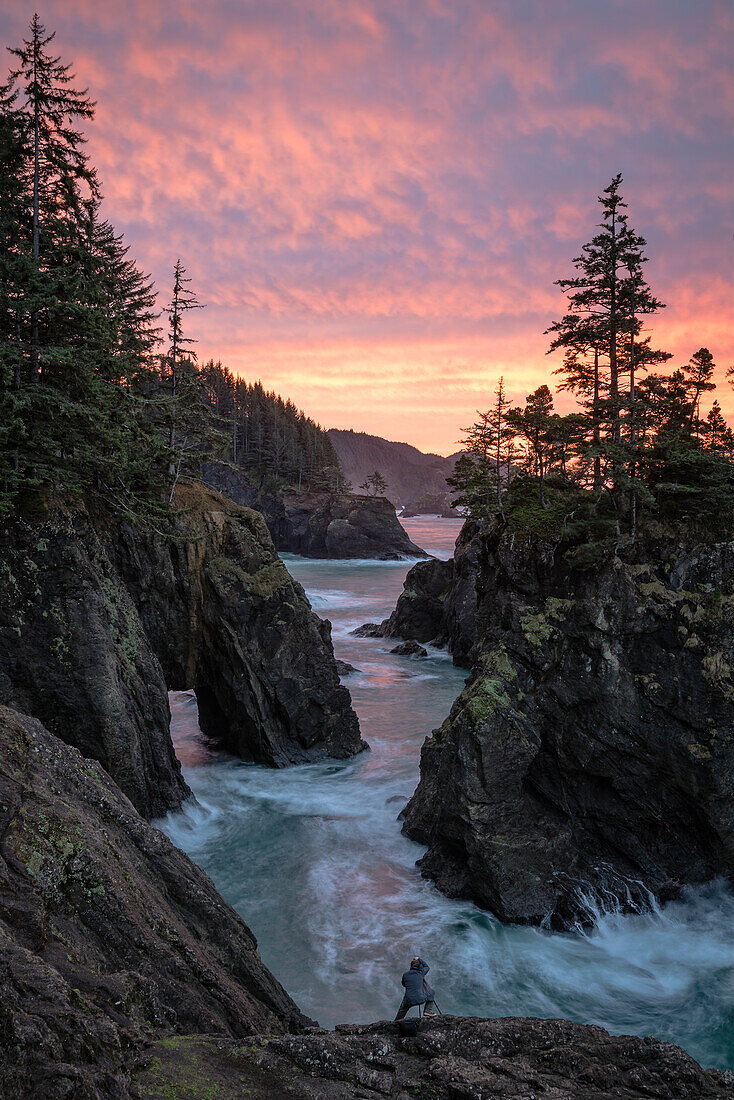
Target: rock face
109 934
439 600
226 618
450 1059
99 617
73 653
320 524
594 742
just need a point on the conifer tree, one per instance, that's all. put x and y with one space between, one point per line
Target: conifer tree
534 425
178 373
41 88
375 484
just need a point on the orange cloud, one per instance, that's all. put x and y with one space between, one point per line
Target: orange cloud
375 199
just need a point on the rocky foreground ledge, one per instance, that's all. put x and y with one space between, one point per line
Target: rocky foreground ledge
450 1059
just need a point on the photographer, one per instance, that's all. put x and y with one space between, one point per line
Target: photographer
417 989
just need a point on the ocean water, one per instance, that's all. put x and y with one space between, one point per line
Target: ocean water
314 860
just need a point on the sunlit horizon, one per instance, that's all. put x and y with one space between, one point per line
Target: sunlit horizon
374 201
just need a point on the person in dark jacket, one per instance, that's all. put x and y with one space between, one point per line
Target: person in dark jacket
417 989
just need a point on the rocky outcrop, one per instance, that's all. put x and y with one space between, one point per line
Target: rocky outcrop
594 742
450 1059
74 653
109 935
438 603
322 525
419 614
99 616
411 475
319 524
225 617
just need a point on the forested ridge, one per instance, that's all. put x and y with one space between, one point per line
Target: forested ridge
100 389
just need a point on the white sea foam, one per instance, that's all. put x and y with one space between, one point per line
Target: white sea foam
314 859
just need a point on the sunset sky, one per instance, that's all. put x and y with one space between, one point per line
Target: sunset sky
374 198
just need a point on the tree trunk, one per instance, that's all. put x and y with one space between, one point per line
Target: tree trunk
35 357
595 418
633 491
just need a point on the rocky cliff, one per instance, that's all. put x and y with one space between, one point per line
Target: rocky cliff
319 524
110 935
100 616
438 603
594 742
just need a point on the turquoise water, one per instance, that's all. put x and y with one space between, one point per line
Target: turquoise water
313 859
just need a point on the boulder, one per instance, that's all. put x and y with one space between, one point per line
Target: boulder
410 649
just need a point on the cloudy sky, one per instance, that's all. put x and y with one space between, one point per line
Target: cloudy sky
374 197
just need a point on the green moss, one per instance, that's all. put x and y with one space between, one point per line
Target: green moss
698 751
179 1071
55 858
125 626
488 693
717 672
536 628
268 580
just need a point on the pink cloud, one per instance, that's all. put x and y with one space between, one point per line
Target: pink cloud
375 199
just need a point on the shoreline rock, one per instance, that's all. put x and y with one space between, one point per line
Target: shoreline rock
592 750
110 935
438 603
450 1059
99 617
410 649
319 524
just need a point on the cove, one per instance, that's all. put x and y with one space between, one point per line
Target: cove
313 859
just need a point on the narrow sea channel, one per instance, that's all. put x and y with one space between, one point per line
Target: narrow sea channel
314 860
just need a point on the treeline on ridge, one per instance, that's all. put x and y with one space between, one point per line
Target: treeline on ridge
94 395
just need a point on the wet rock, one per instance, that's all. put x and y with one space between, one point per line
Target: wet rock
410 649
450 1059
99 616
320 524
591 754
345 669
419 613
109 935
438 603
368 630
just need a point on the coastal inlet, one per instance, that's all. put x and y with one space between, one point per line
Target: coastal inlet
314 860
